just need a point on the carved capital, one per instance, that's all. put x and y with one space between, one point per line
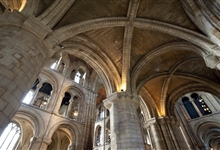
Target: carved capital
119 97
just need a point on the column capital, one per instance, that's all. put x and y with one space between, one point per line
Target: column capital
149 122
168 119
119 97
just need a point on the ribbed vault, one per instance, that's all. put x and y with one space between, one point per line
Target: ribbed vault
150 48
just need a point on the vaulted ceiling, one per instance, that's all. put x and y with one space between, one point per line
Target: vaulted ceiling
148 47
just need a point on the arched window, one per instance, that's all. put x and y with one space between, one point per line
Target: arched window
80 77
77 77
43 95
108 132
190 108
10 137
98 136
64 104
75 107
200 103
100 113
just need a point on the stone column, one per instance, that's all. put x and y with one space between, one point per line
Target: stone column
125 128
39 143
23 54
196 108
70 108
166 134
58 102
65 69
72 75
58 63
36 92
86 80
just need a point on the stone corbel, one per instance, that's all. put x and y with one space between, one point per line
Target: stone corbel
107 104
149 122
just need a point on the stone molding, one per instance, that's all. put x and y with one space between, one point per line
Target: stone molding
55 12
205 14
162 120
71 30
117 97
40 139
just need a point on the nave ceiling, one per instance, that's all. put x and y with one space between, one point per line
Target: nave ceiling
142 46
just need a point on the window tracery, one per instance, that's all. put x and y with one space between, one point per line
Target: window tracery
10 137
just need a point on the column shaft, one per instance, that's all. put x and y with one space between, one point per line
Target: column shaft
166 134
70 109
22 57
125 128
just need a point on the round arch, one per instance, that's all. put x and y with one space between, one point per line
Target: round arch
68 31
74 90
70 129
33 118
209 133
50 78
185 89
109 77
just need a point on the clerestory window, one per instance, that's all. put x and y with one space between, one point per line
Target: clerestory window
77 77
53 65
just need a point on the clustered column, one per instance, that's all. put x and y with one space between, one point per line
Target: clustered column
166 134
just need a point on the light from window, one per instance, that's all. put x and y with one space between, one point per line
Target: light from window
27 99
10 136
77 77
53 65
